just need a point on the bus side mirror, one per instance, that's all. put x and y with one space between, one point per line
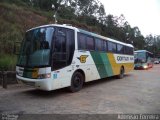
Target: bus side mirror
17 46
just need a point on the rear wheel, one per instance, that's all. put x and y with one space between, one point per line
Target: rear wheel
76 82
121 75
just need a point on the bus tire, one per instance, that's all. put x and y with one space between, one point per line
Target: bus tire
121 75
76 82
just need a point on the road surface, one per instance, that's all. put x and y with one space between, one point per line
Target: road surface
137 92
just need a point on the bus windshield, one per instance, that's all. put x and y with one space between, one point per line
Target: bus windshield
140 57
36 47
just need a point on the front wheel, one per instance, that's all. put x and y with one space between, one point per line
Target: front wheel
76 82
121 75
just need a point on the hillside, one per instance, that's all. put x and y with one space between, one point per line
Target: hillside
14 21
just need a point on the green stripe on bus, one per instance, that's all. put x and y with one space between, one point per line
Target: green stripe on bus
107 64
102 64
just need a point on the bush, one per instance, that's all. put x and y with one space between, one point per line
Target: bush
7 62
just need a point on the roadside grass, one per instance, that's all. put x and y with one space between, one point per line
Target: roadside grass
7 62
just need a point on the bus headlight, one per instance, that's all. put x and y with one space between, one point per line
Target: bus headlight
145 66
42 76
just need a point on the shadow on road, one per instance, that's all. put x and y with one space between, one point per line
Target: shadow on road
41 93
105 80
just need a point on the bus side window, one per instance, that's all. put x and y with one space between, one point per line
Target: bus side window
128 50
103 46
112 47
131 51
60 41
59 55
81 41
120 49
106 46
90 43
70 45
99 44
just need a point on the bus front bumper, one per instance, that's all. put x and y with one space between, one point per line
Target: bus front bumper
43 84
141 67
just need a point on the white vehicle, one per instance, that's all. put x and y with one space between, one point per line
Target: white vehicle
57 56
156 61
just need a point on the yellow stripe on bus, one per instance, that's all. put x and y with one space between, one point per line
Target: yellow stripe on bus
116 66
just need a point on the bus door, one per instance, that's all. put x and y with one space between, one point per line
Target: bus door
63 48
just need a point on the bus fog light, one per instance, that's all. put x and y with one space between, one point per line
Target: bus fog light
42 76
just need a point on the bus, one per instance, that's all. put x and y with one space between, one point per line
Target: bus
143 59
56 56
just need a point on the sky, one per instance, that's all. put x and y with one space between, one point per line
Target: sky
145 14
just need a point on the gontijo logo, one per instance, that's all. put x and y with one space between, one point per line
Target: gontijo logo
82 58
124 58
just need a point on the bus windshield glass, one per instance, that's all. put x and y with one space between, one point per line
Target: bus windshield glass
36 47
140 57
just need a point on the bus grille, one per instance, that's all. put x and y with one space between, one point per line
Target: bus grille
28 83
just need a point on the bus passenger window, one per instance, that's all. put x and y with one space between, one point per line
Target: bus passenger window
98 44
81 41
120 49
111 47
104 47
70 45
60 42
90 43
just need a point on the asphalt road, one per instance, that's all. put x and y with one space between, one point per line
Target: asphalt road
137 92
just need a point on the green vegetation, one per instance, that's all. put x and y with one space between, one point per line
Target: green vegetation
14 21
7 62
19 15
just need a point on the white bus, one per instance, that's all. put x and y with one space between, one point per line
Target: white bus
57 56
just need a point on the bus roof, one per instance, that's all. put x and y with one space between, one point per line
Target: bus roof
142 51
83 31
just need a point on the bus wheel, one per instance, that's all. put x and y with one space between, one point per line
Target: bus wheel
121 75
76 82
